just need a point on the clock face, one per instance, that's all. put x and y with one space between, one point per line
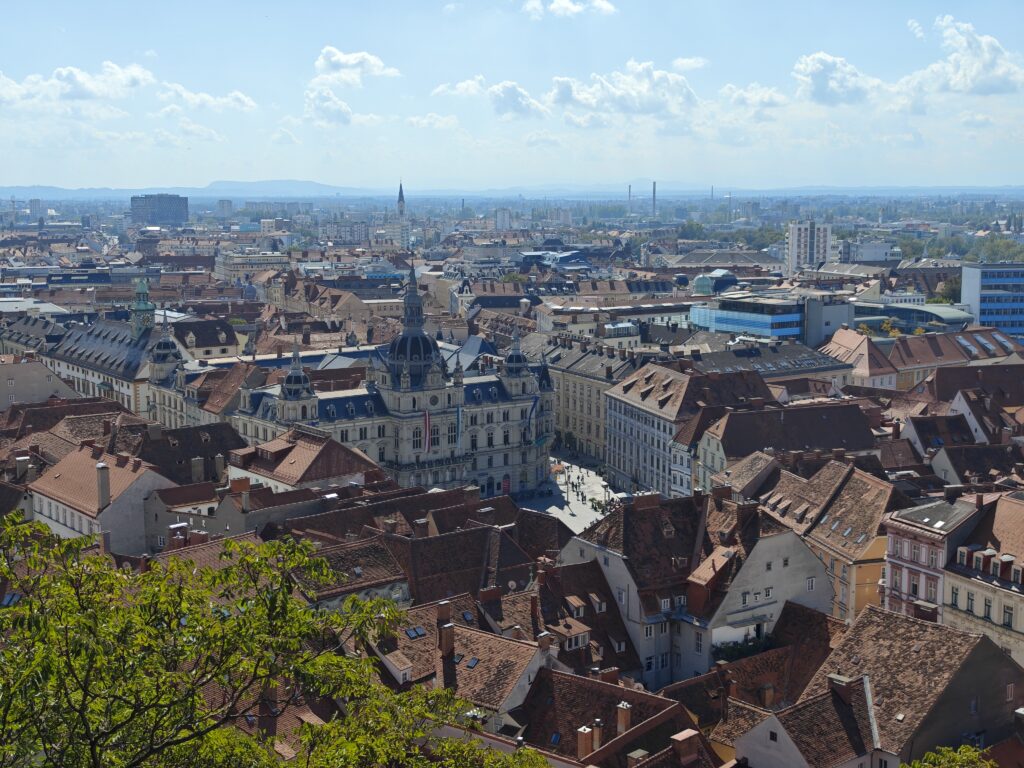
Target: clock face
147 319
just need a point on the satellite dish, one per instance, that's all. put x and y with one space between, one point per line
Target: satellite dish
512 585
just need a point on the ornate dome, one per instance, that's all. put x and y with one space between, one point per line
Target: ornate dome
296 383
165 350
515 360
414 350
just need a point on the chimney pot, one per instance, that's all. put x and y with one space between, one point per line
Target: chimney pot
584 741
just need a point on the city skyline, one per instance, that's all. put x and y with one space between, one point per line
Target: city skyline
575 92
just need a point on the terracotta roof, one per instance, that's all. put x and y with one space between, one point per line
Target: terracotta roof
848 346
839 425
208 554
739 718
659 538
937 431
909 663
560 703
72 481
830 728
499 661
675 395
461 561
301 456
355 566
1001 528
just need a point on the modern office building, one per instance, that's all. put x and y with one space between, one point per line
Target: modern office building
995 294
808 243
808 319
160 210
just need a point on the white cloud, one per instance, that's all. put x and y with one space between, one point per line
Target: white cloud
753 96
150 53
74 91
111 82
201 100
336 67
509 99
641 89
975 64
284 137
433 120
536 9
450 8
586 120
688 63
471 87
915 28
975 120
194 130
324 107
828 79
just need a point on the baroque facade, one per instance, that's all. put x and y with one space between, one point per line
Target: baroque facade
424 425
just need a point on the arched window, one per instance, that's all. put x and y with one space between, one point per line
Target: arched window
435 436
506 437
473 442
304 412
417 439
490 439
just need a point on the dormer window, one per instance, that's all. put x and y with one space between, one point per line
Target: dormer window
961 557
978 560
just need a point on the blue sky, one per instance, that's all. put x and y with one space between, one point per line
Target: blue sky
471 94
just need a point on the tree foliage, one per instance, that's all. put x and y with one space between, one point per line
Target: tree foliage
947 757
104 666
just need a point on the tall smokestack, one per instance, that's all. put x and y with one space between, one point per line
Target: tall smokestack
654 198
629 198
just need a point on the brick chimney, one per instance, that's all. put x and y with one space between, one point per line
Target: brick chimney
767 695
584 741
636 757
841 685
490 594
597 733
896 429
446 639
419 528
102 486
218 465
444 613
544 641
686 745
623 717
198 469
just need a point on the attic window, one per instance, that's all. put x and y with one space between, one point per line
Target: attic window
472 662
467 616
847 532
555 738
457 658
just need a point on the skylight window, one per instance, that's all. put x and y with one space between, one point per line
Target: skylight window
467 616
472 662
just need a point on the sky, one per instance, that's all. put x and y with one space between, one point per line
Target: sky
474 95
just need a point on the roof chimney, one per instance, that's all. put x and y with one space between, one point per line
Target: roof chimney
841 685
198 469
446 639
102 486
623 717
596 734
686 744
444 612
584 741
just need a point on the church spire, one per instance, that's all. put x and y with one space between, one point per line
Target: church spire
401 200
413 313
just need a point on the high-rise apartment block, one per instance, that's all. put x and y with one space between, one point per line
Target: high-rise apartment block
808 243
160 210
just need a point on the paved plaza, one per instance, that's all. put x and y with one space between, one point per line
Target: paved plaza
572 486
